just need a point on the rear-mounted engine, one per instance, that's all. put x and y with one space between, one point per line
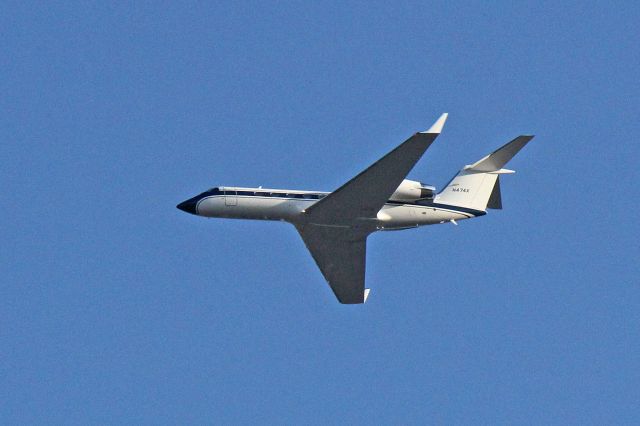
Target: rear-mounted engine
411 190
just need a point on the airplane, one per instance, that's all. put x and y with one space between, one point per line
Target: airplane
335 225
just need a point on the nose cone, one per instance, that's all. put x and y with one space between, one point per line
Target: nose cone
188 206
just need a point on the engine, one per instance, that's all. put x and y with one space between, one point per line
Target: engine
411 190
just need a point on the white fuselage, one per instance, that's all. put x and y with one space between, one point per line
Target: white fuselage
290 205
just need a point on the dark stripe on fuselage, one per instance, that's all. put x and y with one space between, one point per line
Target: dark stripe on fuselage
441 206
265 194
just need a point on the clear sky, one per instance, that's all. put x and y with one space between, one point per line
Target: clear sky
118 308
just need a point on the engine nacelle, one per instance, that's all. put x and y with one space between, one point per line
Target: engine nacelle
411 190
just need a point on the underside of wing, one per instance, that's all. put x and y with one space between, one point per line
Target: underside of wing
340 253
364 195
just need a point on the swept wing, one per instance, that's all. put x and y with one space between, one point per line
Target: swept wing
335 229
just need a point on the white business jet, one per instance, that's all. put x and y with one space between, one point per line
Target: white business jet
335 225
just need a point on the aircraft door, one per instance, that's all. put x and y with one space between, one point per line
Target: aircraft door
230 198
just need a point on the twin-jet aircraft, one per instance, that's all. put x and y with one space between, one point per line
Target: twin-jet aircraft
335 225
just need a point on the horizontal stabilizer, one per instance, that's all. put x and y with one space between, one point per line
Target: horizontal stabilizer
498 158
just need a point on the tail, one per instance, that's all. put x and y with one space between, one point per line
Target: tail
477 186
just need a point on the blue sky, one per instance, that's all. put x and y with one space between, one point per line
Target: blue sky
118 308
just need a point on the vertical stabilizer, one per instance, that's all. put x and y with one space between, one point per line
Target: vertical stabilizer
495 200
477 186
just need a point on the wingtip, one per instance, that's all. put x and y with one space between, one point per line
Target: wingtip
439 124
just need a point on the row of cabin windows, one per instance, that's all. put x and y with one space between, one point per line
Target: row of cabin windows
216 191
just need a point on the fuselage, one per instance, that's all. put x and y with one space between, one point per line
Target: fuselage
289 206
335 226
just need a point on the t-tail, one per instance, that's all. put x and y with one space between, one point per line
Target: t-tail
478 186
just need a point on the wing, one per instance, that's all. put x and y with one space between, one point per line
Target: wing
364 195
340 253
